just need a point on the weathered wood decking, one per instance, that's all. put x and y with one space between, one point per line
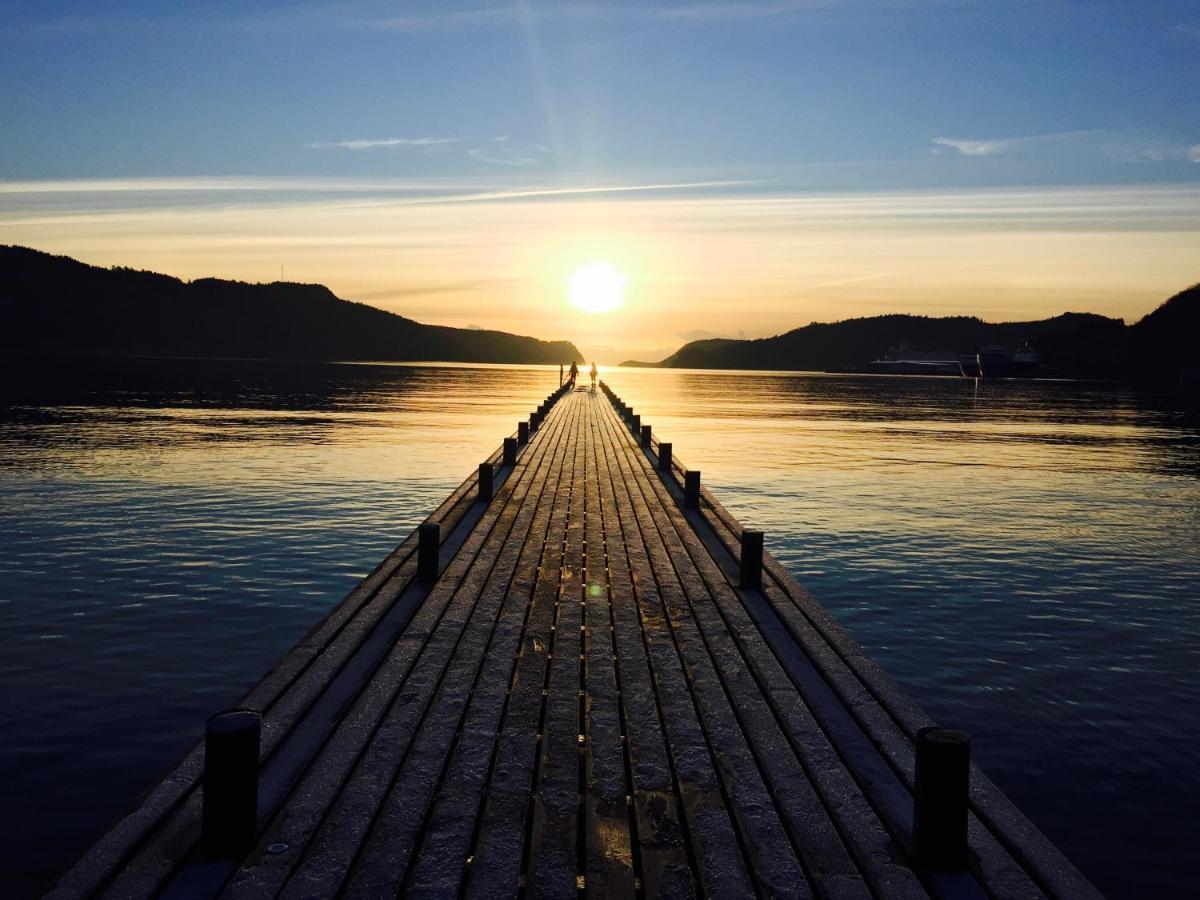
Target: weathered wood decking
585 700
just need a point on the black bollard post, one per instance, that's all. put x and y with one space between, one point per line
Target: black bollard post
533 423
664 456
485 482
752 559
522 432
510 451
429 540
691 489
941 797
635 424
646 436
229 818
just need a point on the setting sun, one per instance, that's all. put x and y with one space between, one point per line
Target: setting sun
596 287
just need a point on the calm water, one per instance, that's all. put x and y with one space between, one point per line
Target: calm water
1022 556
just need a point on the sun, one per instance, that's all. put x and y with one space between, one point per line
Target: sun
596 287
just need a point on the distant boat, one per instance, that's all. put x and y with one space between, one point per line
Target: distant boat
1026 362
902 360
995 361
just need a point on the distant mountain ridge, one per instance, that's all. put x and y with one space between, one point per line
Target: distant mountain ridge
1073 344
56 304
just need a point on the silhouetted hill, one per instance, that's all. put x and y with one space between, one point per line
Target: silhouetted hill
57 304
1168 338
1072 344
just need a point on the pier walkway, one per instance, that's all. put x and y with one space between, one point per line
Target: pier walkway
589 693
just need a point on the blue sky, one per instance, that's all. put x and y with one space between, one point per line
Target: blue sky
749 166
821 93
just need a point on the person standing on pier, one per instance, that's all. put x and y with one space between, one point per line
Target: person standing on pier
574 373
594 373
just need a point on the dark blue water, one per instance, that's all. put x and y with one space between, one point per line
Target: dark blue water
1022 556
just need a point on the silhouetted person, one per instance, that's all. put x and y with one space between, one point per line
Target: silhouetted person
574 373
594 373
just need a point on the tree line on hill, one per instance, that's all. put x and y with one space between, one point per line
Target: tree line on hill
1159 347
55 304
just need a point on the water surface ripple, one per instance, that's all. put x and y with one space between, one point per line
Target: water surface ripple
1022 556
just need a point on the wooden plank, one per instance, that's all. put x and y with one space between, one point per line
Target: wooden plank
721 858
294 729
164 804
777 867
608 841
497 849
665 866
863 729
316 799
445 845
995 865
553 849
1009 855
383 861
826 803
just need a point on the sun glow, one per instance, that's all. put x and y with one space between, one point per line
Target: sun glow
596 287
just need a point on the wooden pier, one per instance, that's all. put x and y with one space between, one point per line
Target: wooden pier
587 678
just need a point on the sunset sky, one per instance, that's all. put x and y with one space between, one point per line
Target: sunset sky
747 167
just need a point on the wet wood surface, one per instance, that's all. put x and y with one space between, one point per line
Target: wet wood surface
584 701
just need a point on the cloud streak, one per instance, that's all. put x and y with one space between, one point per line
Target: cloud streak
972 148
1116 146
1010 145
503 151
376 143
498 151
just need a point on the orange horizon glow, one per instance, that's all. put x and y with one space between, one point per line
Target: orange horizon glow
678 267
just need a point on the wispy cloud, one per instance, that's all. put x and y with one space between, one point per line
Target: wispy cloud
498 160
534 193
1002 146
972 148
503 151
375 143
308 191
500 151
1117 146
